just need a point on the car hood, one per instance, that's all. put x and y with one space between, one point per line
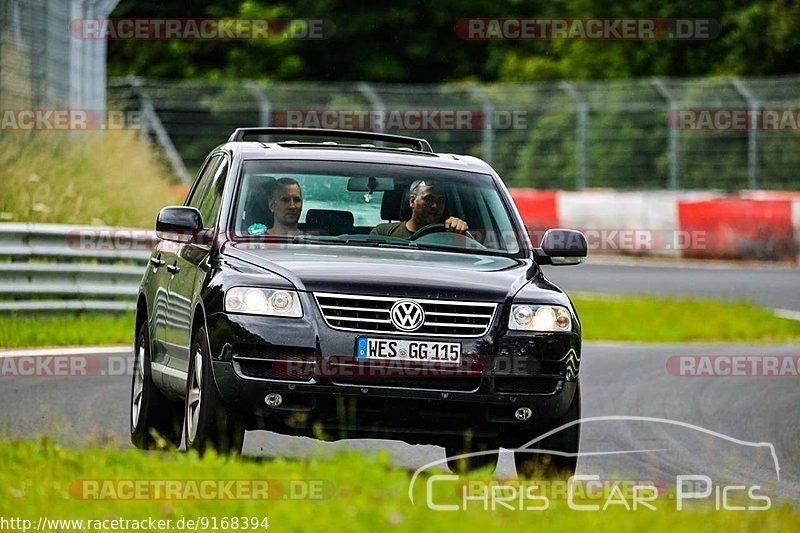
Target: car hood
388 271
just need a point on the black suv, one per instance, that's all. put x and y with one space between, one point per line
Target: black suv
444 334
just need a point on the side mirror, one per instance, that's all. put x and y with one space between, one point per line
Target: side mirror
562 247
179 224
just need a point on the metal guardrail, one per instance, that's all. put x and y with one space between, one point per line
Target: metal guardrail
52 267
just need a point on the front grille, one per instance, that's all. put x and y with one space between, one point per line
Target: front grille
405 374
371 314
526 384
287 363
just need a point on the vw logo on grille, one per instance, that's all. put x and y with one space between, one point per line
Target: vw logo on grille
407 315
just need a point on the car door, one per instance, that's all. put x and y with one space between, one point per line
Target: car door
167 257
160 283
191 261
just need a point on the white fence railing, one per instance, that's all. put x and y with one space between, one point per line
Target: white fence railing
51 267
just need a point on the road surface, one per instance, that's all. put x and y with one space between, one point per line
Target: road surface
617 379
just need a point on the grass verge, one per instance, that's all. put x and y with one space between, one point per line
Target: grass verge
351 492
655 319
82 329
634 319
100 178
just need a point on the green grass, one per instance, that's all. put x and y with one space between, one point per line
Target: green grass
27 329
654 319
635 319
102 178
358 493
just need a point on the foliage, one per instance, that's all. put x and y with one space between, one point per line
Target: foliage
416 42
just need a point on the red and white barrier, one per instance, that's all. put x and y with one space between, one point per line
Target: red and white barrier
753 225
796 219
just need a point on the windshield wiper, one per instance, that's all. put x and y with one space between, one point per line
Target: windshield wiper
305 239
381 244
461 249
376 243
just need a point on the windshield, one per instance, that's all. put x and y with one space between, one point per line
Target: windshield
367 204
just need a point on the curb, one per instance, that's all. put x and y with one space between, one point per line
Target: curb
66 350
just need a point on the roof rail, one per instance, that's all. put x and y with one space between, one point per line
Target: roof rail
419 144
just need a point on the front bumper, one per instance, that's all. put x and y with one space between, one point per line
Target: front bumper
330 405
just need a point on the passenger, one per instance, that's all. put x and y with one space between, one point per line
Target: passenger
427 201
285 203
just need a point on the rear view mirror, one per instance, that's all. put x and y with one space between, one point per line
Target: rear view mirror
179 224
562 247
370 184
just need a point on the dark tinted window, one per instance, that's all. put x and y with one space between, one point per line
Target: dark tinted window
209 207
198 193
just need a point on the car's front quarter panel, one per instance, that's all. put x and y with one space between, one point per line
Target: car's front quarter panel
565 347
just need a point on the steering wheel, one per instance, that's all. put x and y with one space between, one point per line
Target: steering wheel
437 227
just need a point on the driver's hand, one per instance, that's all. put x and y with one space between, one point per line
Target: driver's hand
456 224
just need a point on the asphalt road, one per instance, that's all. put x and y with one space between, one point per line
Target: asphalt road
769 285
617 380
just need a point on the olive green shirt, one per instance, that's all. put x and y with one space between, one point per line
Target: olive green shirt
392 229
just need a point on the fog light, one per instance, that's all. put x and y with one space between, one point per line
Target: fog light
523 413
273 399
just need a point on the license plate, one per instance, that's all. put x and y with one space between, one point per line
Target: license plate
408 350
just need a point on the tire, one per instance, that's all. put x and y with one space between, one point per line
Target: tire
566 441
208 423
469 445
154 420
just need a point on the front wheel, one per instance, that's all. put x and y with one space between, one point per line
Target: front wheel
565 441
155 420
208 421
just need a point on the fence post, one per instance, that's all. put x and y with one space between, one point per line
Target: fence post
487 129
150 121
581 132
376 102
753 107
264 105
674 132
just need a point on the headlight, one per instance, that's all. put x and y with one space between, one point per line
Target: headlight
257 301
539 318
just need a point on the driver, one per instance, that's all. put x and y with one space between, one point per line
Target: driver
427 201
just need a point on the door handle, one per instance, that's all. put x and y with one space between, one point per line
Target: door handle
156 262
173 269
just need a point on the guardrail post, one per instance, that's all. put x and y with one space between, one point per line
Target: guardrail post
674 132
753 108
581 133
487 131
